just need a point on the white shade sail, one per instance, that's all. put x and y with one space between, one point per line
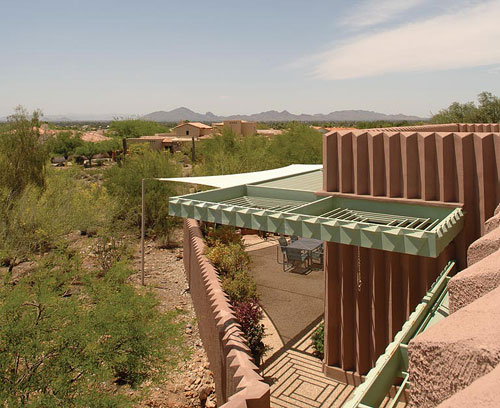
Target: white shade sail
231 180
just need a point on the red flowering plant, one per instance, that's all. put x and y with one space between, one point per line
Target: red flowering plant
249 314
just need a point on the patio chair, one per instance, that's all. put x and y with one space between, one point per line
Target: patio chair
317 255
296 257
281 248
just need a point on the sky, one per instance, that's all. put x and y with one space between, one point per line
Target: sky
240 57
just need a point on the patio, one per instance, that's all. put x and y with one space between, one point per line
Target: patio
292 301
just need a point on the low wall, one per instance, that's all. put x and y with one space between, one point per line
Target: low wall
237 381
458 360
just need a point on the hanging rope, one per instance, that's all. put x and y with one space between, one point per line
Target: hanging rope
358 273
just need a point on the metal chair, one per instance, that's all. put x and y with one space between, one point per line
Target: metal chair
295 257
283 243
317 255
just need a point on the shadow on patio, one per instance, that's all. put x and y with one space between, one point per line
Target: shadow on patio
292 301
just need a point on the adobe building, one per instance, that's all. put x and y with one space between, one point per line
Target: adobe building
192 129
239 127
398 209
157 142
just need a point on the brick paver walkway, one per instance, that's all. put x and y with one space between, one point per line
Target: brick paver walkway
297 379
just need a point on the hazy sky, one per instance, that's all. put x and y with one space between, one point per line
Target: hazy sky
228 57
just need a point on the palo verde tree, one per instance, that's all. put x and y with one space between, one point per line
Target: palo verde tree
91 149
23 161
64 143
23 156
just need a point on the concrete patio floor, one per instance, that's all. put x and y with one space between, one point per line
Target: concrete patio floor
291 300
294 305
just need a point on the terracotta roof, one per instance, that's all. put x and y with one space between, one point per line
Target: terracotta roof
94 137
152 137
195 124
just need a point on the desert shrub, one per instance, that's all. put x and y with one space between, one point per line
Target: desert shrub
40 217
221 234
249 315
240 286
318 341
228 153
65 335
299 144
228 259
124 185
109 250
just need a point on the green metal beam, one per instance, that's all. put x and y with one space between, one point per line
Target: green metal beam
362 222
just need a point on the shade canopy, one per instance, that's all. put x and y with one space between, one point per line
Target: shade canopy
293 205
230 180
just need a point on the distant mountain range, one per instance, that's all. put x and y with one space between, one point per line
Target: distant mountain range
275 116
183 113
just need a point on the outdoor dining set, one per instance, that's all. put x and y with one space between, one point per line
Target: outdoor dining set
299 254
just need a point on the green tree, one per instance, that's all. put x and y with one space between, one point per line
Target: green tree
91 149
489 107
300 144
487 111
64 143
136 128
23 156
228 153
124 184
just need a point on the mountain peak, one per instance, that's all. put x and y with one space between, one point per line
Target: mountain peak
183 113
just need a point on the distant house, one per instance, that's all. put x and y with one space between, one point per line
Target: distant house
157 142
323 130
239 127
190 129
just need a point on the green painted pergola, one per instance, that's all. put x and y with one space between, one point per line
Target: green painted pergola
294 205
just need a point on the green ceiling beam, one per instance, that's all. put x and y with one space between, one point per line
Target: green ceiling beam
303 222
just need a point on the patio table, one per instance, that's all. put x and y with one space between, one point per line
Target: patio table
307 244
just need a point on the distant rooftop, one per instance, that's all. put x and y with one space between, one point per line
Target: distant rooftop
195 124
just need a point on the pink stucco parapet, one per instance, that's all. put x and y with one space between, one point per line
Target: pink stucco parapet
484 393
238 383
483 247
452 354
493 222
474 282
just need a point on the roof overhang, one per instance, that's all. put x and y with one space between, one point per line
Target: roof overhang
418 229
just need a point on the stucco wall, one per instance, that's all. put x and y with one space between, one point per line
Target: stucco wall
449 363
180 131
434 163
484 393
237 381
455 352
